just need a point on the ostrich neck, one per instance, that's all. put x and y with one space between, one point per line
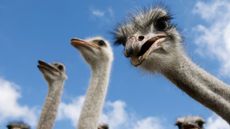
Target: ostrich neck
200 85
95 97
50 107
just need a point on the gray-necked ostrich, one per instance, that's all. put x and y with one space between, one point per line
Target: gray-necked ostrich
98 54
153 43
18 125
190 122
55 76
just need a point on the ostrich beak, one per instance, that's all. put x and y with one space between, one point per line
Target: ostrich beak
149 46
45 66
78 42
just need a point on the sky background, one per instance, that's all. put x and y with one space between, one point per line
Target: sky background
41 29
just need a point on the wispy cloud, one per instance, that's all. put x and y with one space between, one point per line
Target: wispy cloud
108 12
10 108
115 114
98 13
104 15
71 110
213 38
148 123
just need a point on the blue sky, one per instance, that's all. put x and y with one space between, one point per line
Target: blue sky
31 30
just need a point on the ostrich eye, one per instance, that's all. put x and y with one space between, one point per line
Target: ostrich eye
101 43
162 23
200 123
60 67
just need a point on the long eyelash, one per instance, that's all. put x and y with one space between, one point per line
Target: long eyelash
165 18
119 35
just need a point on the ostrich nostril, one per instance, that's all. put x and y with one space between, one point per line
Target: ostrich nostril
140 38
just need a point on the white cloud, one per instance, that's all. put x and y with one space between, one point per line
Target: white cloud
106 14
10 108
148 123
213 38
72 110
115 114
215 122
98 13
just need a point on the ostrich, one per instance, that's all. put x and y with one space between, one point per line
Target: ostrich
103 126
190 122
55 76
153 43
18 125
98 54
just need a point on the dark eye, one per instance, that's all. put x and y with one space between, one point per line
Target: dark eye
162 23
200 123
60 67
101 43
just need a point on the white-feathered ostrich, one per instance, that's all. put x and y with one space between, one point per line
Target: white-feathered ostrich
190 122
154 44
98 54
55 76
18 125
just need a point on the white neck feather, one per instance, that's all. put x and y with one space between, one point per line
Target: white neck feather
95 97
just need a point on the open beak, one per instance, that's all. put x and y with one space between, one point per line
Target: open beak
147 48
81 43
45 66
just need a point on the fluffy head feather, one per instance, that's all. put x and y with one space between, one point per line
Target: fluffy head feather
190 122
149 35
95 50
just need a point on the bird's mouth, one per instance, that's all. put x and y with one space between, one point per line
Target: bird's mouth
146 49
76 42
43 66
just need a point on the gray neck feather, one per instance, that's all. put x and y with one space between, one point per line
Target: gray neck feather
200 85
95 97
49 111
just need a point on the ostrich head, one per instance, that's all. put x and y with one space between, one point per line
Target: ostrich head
95 50
18 125
190 122
149 38
103 126
52 72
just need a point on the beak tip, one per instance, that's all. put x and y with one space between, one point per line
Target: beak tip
73 41
38 66
39 61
